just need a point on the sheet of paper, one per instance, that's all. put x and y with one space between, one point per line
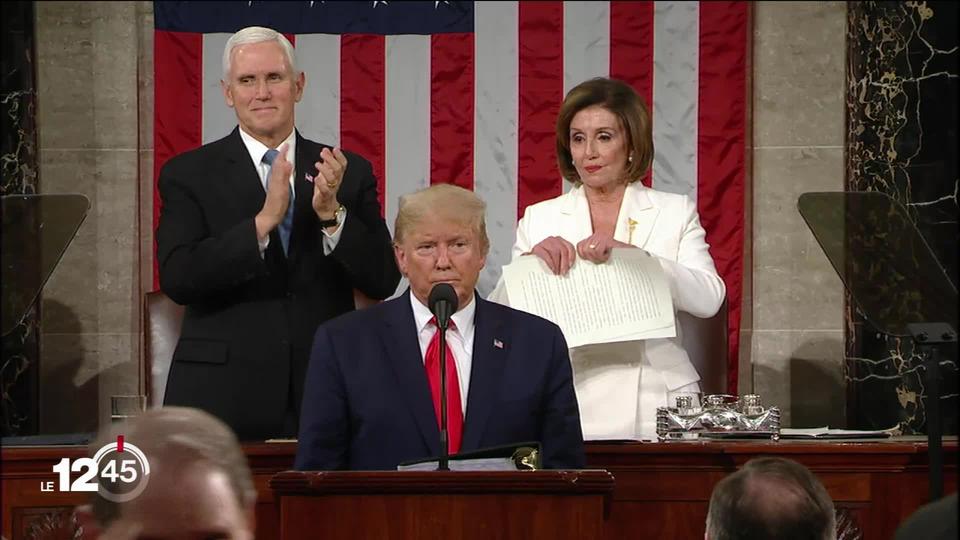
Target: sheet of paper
627 298
479 464
828 433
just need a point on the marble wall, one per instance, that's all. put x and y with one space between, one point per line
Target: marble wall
796 340
90 86
19 372
902 135
95 81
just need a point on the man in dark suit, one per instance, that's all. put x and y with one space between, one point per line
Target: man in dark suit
372 397
263 235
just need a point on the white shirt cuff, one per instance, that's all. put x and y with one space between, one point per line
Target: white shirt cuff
330 239
263 244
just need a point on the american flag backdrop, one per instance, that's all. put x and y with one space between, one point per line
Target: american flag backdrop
468 93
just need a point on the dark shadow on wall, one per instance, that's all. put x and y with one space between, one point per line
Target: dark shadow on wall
814 393
817 388
68 404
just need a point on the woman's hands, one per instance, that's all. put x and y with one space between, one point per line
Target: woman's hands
596 248
559 254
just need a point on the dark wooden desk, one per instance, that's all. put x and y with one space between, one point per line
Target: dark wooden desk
661 491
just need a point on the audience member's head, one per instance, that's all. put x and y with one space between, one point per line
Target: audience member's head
936 520
771 498
200 485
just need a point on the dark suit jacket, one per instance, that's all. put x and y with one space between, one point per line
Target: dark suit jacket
367 405
250 320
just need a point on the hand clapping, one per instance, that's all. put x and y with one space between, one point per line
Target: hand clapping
330 171
278 187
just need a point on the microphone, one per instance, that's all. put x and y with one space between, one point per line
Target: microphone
443 303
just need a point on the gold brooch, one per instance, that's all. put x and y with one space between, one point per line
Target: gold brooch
632 224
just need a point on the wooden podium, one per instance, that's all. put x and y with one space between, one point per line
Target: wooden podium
434 504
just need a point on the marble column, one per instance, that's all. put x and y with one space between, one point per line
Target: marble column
19 368
901 140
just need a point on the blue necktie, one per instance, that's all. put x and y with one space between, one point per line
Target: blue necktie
287 224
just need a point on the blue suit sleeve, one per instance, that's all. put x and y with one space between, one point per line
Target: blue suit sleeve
324 438
561 434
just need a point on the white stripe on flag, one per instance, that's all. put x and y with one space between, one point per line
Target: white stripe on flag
318 113
586 42
218 119
496 46
676 46
407 124
586 45
407 88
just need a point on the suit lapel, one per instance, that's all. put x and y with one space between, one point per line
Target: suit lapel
491 345
403 351
242 179
637 216
576 207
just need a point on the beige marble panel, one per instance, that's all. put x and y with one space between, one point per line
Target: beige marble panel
145 83
118 371
87 74
794 286
801 372
96 280
145 21
745 373
798 78
147 247
80 372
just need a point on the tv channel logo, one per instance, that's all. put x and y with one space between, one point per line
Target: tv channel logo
119 471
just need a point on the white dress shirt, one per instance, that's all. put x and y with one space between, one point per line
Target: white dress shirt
459 341
257 149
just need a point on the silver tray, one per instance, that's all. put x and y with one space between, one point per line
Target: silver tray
721 416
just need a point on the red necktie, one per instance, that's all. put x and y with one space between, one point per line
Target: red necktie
454 409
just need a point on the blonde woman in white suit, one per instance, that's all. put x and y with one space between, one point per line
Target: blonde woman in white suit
604 147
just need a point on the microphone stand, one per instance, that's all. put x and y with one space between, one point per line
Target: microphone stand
444 464
929 337
443 303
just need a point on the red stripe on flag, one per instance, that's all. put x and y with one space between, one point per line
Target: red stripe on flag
177 114
631 50
451 109
362 101
540 95
721 149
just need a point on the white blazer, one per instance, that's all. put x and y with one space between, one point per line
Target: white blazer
614 401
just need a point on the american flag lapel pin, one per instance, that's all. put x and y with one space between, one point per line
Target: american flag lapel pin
497 343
